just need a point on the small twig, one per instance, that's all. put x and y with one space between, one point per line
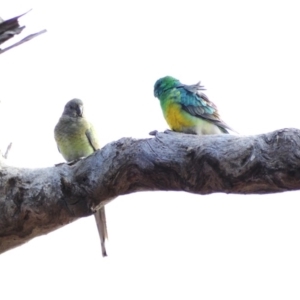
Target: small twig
7 150
26 39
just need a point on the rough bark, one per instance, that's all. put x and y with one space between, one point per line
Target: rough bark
37 201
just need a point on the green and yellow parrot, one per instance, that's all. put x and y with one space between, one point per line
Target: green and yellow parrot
186 109
76 138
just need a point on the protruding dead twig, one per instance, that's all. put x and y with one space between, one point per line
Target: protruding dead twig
26 39
7 151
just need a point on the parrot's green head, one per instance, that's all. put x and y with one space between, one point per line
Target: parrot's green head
164 84
74 108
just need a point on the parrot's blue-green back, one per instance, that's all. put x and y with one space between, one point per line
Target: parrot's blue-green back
186 109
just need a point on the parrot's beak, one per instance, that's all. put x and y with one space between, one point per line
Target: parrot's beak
79 110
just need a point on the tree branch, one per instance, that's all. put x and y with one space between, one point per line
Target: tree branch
37 201
25 39
9 28
7 150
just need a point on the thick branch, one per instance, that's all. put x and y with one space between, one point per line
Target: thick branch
37 201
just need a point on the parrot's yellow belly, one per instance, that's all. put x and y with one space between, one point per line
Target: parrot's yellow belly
181 121
178 119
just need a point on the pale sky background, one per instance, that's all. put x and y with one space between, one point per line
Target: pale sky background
162 245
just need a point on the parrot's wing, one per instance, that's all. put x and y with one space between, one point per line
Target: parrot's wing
198 105
92 137
58 149
193 88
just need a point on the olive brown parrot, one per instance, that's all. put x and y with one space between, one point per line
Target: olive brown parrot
76 138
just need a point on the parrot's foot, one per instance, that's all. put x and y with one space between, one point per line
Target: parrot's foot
153 132
70 163
168 131
73 162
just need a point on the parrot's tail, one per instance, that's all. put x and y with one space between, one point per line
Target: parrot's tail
102 228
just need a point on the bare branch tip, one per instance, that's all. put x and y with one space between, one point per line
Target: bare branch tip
7 151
